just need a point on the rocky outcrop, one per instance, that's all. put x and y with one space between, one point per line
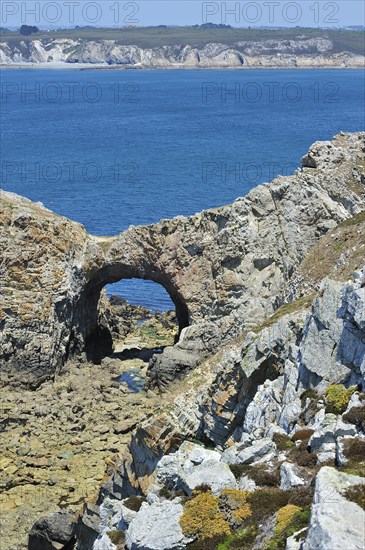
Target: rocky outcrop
300 52
333 347
268 424
335 522
226 269
157 526
55 531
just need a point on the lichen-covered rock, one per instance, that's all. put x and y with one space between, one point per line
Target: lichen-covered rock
336 523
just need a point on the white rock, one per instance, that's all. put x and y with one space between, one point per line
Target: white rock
246 484
153 493
258 450
191 466
127 515
289 477
292 543
217 475
157 527
104 543
335 523
327 432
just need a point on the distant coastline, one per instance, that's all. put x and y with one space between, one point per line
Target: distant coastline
184 48
93 67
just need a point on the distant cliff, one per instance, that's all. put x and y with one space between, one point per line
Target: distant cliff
302 51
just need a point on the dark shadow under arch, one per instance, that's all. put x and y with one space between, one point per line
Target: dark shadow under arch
97 339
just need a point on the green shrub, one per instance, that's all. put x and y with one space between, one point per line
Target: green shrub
306 459
203 488
165 493
302 497
356 415
259 474
242 539
337 398
285 517
282 441
299 521
134 503
202 518
238 470
354 467
234 506
356 494
290 519
264 477
266 501
309 394
207 544
354 449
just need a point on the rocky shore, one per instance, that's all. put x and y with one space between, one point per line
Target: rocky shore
249 431
59 442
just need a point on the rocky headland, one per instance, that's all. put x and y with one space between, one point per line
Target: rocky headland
301 51
258 439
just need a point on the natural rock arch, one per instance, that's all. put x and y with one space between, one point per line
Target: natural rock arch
98 341
226 269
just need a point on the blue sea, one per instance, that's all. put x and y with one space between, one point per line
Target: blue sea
112 148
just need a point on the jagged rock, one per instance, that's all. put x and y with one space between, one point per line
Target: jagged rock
87 529
157 527
229 384
328 431
254 387
192 466
335 523
104 543
295 542
226 270
333 346
290 476
246 484
52 532
258 450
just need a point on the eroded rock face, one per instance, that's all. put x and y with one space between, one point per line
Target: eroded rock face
333 347
249 403
226 269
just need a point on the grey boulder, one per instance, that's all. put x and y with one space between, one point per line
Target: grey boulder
157 527
335 523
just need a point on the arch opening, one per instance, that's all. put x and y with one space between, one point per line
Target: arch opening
117 309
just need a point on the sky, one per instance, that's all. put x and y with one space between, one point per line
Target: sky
244 13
